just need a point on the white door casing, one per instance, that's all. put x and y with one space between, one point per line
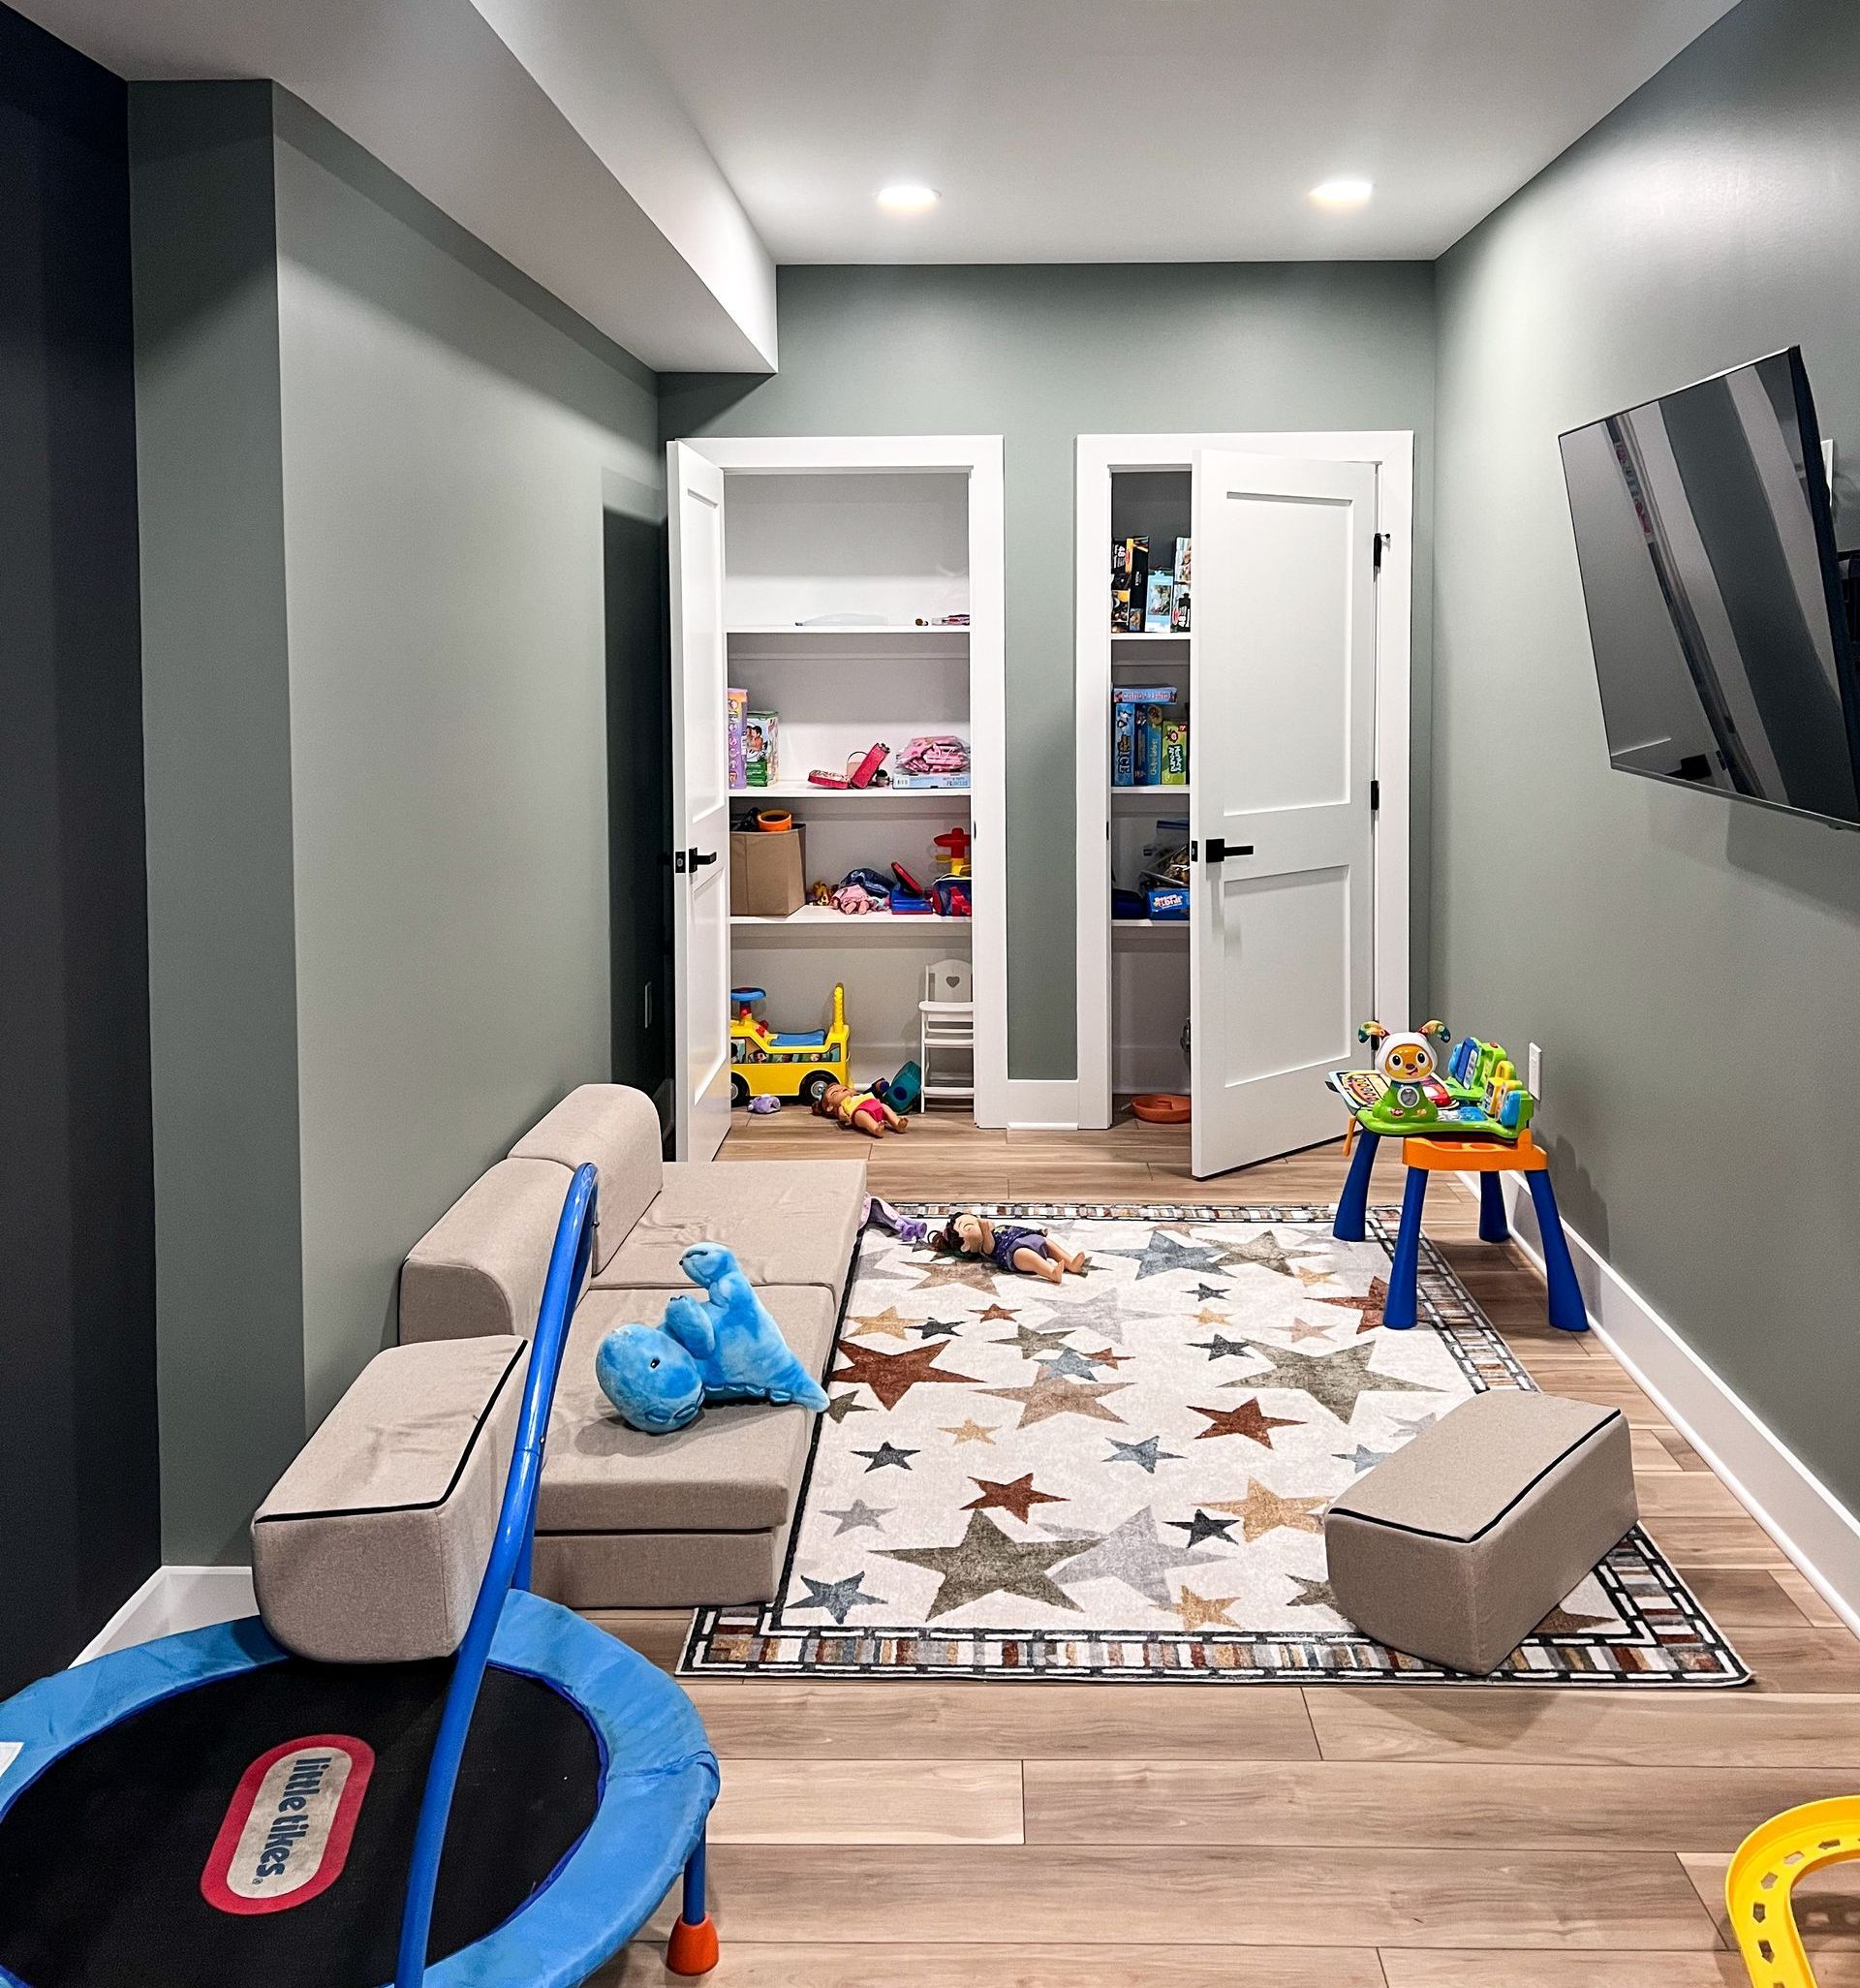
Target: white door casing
699 805
1282 927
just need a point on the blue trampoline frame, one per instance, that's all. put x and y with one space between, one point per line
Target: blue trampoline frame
659 1777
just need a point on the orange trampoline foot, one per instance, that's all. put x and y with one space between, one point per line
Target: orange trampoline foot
692 1949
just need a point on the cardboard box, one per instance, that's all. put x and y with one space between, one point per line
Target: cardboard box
767 872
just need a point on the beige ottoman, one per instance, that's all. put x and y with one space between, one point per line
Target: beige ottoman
1464 1541
371 1546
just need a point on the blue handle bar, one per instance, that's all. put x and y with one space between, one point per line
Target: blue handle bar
508 1566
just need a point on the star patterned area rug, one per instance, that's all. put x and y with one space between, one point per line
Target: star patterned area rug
1124 1478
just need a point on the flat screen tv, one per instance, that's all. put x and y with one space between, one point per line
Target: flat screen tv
1705 538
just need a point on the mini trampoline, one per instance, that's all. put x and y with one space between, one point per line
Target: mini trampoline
210 1810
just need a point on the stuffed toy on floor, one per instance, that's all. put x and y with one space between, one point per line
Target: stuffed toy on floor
723 1346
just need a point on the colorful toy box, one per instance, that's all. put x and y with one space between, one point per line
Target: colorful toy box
737 704
761 754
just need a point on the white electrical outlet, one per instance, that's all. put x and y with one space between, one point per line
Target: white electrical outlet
1533 1071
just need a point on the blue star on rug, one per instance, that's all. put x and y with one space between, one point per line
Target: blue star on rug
1221 1349
1162 1254
1148 1453
838 1598
1364 1458
1074 1365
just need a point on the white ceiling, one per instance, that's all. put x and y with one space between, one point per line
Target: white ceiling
1082 131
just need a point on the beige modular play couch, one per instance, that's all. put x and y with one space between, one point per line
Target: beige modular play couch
629 1520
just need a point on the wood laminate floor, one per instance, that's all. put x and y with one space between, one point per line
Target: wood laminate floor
1091 1836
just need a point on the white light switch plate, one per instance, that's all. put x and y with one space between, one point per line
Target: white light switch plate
1533 1071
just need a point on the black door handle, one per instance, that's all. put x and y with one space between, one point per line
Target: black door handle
699 859
1218 850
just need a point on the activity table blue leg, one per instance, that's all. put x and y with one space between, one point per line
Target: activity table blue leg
692 1948
1567 1311
1404 1303
1354 1208
1493 1226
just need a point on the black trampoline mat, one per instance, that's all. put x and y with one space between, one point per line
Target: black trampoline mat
101 1859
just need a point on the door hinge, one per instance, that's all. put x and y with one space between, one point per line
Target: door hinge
1375 796
1376 563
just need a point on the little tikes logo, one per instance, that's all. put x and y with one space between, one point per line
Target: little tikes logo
287 1829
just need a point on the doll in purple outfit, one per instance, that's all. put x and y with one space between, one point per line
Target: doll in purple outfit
1008 1247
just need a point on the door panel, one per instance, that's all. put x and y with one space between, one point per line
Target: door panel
1283 743
699 804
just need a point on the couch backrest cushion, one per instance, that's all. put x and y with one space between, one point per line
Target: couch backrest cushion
617 1128
481 1268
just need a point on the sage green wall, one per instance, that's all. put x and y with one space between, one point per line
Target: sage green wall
450 436
1041 355
1692 967
216 742
377 786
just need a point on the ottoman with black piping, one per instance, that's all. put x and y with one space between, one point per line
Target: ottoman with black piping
1457 1546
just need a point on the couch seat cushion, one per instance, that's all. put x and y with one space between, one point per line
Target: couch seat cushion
788 1222
736 1469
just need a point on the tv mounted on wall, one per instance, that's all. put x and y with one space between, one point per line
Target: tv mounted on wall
1705 538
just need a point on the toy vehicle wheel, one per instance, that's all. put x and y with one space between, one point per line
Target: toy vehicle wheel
813 1087
739 1089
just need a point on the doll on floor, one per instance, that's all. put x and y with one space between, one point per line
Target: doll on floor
859 1109
1030 1250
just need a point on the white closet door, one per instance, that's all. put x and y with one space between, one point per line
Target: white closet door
1280 909
699 804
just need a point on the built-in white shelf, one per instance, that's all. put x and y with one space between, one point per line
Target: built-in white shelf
1153 635
822 924
798 634
1132 927
937 800
1142 797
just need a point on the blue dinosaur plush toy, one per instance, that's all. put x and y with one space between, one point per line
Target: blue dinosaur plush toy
723 1346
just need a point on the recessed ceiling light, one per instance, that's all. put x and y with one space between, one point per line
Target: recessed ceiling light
1341 193
908 197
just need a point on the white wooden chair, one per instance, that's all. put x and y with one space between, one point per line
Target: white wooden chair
947 1031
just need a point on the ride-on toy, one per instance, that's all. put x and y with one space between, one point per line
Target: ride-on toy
766 1064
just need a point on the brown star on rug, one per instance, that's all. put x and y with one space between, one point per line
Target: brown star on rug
986 1560
1249 1419
885 1321
1053 1394
892 1376
1369 1306
995 1312
1263 1511
1019 1497
1200 1611
972 1271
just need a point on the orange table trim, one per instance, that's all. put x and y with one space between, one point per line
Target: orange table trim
1475 1155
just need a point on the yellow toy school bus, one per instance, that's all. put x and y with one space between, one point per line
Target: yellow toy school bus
767 1064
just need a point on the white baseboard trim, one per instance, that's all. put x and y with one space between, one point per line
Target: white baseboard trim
1785 1498
171 1600
1042 1105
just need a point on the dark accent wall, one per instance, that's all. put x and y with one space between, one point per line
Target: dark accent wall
79 1521
1691 965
